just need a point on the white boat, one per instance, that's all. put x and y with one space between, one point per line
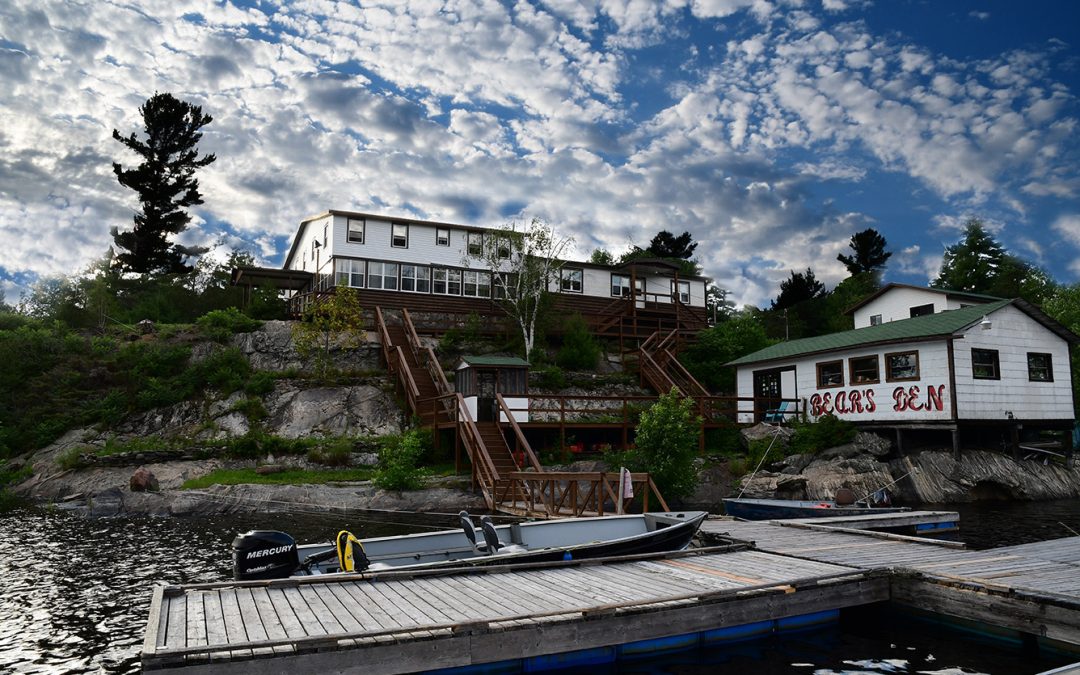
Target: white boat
269 554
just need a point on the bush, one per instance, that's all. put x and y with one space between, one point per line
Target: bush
551 377
221 324
252 408
260 384
579 349
398 462
333 452
226 370
827 432
666 441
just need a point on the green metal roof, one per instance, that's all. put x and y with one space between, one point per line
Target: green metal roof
918 328
496 361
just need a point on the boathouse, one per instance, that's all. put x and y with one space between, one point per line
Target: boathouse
994 364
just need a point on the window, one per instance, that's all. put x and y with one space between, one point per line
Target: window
356 230
683 291
1040 367
875 319
922 310
399 235
901 366
502 249
830 374
570 280
476 284
442 236
864 369
620 285
984 364
383 275
446 281
350 273
325 231
498 286
476 244
415 278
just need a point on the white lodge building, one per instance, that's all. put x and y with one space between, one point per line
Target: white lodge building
921 358
433 266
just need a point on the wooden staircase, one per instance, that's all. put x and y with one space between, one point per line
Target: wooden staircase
660 369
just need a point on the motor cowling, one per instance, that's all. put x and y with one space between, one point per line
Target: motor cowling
264 554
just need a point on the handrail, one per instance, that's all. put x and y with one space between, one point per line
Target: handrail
518 433
412 392
384 334
481 447
410 332
560 492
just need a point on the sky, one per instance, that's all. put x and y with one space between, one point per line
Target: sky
771 130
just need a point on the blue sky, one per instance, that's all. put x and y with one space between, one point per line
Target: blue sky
772 130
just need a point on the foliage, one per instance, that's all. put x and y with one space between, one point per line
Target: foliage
847 294
1064 306
827 432
666 245
979 263
868 253
329 321
579 350
221 324
525 261
287 477
666 444
798 288
602 257
455 339
399 462
334 452
165 182
717 305
70 458
549 377
742 334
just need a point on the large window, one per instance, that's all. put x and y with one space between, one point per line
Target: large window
620 285
864 369
502 245
475 244
1040 367
900 366
570 280
682 292
415 278
446 281
476 284
984 364
830 374
442 236
350 272
399 235
383 275
356 230
922 310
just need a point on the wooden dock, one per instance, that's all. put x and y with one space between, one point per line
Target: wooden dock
397 622
1033 589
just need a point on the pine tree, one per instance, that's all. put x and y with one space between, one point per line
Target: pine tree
166 184
973 263
869 252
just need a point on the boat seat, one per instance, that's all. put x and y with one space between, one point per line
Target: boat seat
491 538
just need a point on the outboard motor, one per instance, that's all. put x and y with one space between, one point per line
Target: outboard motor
264 554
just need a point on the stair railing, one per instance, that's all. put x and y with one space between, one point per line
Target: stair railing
521 443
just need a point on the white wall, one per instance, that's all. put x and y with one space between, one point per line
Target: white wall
1013 334
896 303
518 406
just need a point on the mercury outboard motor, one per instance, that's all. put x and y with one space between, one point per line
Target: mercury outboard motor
264 554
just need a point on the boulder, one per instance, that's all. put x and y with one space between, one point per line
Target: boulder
294 412
873 444
767 432
143 480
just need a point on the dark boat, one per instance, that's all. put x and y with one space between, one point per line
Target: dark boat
269 554
780 509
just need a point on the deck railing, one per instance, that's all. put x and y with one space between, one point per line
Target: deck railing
574 493
521 444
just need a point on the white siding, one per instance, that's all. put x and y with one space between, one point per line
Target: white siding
896 304
1013 334
883 401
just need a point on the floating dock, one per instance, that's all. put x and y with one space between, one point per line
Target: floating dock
539 615
766 577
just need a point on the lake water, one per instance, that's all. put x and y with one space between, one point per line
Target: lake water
74 594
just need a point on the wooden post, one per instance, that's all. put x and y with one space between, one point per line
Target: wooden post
956 442
1014 440
899 442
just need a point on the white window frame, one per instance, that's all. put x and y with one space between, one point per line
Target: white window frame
571 280
350 233
684 297
386 270
345 272
448 278
394 236
415 278
474 248
442 236
478 281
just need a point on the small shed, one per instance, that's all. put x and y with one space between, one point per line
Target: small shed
480 378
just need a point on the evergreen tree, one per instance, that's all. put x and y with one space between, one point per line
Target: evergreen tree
667 245
798 288
973 263
869 254
166 184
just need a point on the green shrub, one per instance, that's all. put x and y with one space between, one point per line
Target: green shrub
333 452
551 377
226 370
221 324
827 432
252 408
579 350
260 383
666 444
399 459
70 458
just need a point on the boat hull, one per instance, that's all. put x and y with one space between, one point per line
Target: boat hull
783 509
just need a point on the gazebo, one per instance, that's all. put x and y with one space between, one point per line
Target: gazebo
480 378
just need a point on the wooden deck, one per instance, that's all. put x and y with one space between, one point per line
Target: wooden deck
397 622
1031 588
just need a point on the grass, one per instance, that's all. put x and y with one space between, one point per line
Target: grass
288 477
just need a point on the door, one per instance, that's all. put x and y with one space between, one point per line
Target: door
485 396
769 389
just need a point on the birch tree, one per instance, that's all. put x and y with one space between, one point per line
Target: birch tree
525 260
